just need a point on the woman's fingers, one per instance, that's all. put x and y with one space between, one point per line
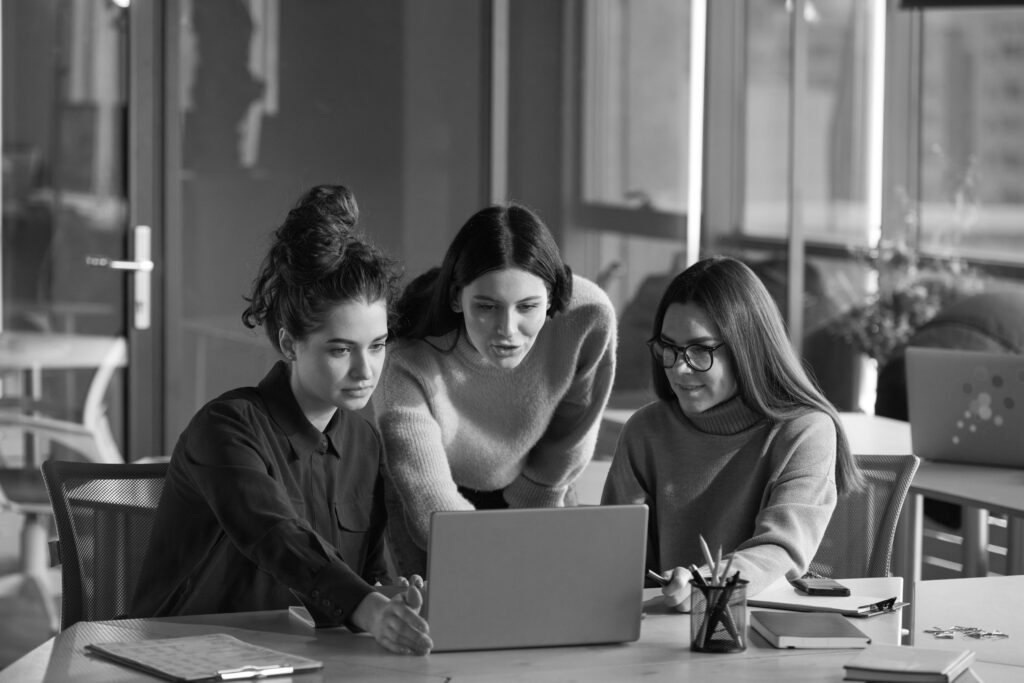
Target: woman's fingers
404 626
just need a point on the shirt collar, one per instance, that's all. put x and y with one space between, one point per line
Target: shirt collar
305 439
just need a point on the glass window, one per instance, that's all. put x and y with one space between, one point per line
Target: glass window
834 180
972 133
629 130
636 95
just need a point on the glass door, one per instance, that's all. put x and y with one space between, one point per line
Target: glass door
75 247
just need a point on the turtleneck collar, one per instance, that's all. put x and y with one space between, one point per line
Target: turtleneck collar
729 417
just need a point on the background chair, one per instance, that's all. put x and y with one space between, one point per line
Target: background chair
859 538
22 492
86 429
104 516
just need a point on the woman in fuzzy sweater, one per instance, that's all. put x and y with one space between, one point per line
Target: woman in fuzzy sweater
741 448
493 392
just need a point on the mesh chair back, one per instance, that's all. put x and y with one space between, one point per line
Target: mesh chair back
104 515
858 540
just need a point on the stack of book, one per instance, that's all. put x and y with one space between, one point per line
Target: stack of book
899 664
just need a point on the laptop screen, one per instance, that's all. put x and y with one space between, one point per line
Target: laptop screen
536 577
966 406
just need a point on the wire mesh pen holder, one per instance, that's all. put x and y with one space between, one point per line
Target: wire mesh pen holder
718 617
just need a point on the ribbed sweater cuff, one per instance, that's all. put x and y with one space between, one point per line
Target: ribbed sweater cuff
523 493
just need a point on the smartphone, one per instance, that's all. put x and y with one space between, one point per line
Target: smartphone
820 587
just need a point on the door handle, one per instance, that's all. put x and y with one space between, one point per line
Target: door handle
141 267
104 262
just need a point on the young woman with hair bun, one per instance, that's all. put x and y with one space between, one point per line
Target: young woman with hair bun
274 493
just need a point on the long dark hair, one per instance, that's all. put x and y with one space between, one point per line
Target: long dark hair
500 236
317 260
770 377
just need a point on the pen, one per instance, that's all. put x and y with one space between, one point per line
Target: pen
697 578
657 578
253 672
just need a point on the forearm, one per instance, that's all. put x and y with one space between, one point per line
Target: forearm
567 446
418 468
786 536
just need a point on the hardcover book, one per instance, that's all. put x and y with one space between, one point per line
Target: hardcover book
807 629
901 664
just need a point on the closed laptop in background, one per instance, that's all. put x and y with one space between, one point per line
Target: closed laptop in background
966 406
535 577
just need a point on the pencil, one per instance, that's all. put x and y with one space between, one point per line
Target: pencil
707 557
725 572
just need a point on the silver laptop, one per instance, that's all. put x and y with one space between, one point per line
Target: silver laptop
535 577
966 406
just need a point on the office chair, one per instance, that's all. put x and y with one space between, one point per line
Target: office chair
859 538
105 516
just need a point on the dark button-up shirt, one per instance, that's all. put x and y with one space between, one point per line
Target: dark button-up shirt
260 508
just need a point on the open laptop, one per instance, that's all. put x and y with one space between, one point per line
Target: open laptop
966 406
535 577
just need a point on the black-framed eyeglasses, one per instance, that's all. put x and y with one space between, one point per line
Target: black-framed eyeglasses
698 357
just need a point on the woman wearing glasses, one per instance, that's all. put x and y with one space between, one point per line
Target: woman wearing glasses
741 447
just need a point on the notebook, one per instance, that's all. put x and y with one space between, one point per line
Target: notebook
782 595
898 663
807 630
194 658
966 406
535 577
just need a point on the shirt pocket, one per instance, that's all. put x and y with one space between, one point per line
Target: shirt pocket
352 519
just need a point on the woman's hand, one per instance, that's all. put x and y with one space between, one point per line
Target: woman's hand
395 623
677 590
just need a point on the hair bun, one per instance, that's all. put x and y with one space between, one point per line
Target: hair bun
331 201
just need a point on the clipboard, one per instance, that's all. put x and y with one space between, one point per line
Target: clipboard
217 656
788 598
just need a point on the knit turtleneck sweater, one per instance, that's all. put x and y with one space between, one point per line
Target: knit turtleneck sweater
449 418
763 492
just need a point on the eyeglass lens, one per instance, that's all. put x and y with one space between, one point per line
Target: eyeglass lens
698 356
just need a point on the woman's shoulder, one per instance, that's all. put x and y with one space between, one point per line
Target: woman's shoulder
587 294
413 365
805 421
240 402
589 310
235 412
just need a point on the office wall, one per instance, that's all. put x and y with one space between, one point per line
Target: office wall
390 98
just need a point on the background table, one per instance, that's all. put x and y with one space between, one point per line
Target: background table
993 603
981 490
